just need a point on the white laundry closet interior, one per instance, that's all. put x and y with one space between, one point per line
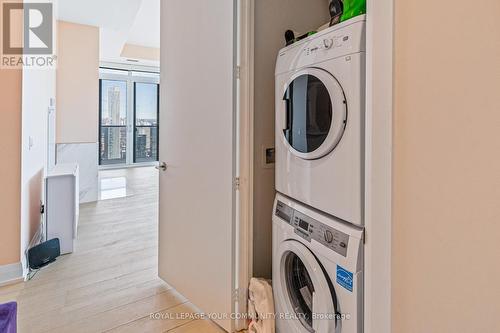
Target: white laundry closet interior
272 19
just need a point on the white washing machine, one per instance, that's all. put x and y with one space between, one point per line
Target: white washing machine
317 271
320 107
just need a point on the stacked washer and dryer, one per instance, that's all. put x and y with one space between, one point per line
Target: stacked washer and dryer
318 212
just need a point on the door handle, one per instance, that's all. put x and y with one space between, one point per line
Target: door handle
287 117
163 166
284 120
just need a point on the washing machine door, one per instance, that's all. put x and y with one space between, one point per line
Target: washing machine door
313 113
305 292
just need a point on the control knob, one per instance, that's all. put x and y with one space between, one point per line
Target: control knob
327 43
328 236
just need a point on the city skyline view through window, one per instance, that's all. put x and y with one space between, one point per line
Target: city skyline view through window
146 122
128 133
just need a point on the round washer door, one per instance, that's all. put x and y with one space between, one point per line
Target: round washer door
302 290
314 113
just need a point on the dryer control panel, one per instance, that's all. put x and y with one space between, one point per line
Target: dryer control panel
341 40
309 229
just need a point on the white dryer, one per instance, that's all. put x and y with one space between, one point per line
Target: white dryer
317 271
320 98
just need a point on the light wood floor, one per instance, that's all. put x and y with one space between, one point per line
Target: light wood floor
110 283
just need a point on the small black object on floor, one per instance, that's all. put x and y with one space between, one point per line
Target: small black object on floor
43 254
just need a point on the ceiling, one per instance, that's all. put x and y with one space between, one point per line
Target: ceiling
120 21
146 28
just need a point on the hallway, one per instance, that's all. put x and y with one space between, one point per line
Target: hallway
110 282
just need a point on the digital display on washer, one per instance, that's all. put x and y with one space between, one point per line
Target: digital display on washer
304 225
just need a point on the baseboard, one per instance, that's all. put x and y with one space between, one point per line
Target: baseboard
11 274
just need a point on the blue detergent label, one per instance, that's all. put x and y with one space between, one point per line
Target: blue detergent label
345 278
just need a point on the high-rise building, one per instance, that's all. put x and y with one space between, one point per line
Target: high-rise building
141 142
114 149
154 143
105 143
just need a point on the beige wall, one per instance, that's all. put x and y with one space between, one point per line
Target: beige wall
140 52
77 83
446 215
272 19
10 168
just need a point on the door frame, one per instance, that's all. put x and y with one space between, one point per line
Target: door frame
244 73
378 156
378 166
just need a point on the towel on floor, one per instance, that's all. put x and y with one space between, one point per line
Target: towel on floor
261 306
8 317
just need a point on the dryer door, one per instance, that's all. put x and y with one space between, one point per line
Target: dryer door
304 290
313 113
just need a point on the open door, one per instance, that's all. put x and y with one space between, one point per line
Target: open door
198 154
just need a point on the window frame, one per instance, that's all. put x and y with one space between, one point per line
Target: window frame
135 127
128 75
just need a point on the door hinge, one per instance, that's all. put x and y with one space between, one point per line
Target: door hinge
237 72
237 183
240 295
236 295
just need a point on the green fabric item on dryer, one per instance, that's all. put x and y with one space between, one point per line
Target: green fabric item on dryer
353 8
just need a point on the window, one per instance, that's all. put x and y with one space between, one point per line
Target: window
146 122
113 122
309 113
129 107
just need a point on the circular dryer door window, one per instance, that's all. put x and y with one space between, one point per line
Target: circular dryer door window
305 289
314 114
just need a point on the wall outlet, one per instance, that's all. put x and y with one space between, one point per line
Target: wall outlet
268 157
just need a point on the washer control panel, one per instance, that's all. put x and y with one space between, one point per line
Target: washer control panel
309 229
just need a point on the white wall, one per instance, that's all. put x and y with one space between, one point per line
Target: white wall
272 19
39 86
